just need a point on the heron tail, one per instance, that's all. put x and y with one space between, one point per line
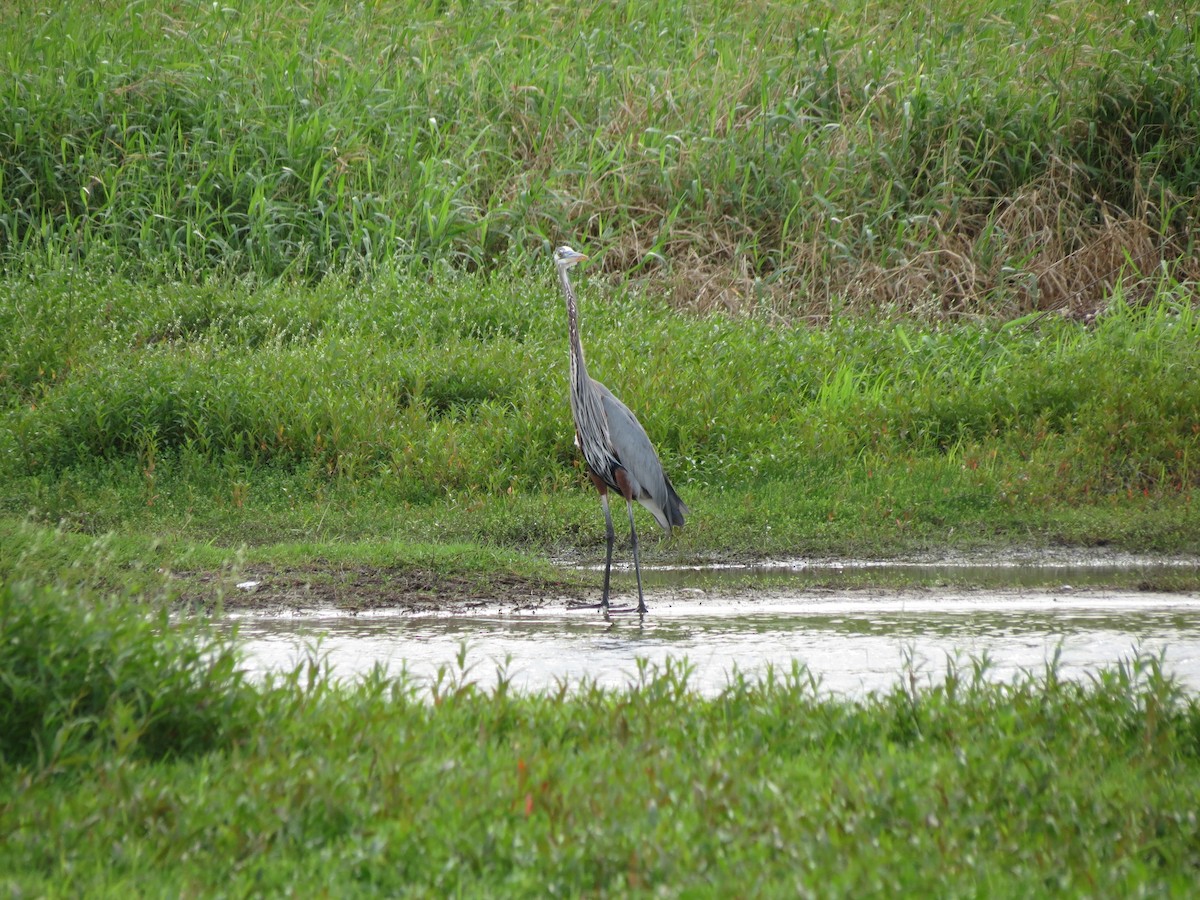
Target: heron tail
668 511
676 508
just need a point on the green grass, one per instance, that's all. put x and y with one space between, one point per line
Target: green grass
982 157
189 572
276 274
135 766
78 676
275 296
409 411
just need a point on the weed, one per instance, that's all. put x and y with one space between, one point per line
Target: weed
372 787
795 158
81 679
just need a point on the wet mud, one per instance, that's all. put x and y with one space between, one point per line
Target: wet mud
851 626
322 586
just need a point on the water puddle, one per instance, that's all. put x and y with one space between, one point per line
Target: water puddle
853 641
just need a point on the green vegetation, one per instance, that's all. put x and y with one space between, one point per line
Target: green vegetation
276 274
78 676
131 762
429 413
878 278
956 156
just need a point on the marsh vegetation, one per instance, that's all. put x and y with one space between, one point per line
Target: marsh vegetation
877 278
125 745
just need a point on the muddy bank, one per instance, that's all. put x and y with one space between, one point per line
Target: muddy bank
266 589
356 588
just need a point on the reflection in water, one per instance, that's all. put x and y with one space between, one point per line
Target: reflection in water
852 644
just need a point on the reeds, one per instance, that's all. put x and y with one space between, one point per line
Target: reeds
952 160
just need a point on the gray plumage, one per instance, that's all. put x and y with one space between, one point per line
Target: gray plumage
636 455
618 453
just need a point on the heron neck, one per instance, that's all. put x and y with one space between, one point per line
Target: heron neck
579 373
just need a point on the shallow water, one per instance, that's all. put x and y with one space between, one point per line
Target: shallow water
1039 570
853 642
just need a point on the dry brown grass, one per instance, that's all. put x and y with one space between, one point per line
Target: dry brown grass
1047 249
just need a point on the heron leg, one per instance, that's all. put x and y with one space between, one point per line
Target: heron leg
637 565
627 492
610 539
640 609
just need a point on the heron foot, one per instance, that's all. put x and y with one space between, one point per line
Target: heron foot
640 610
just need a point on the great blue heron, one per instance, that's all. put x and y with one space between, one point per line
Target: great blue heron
614 444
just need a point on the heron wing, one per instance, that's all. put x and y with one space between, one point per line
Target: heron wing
635 453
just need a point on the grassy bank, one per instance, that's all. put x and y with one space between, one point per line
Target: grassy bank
276 274
961 157
403 411
133 761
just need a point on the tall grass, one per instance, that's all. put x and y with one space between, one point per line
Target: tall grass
942 158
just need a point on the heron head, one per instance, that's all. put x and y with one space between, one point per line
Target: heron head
565 257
